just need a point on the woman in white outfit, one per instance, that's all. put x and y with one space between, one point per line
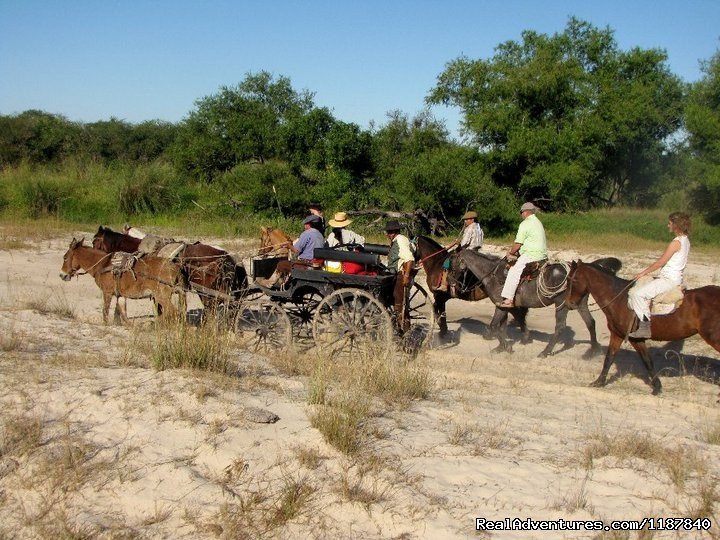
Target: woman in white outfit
672 264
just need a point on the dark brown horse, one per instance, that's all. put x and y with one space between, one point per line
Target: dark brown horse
150 277
206 266
548 289
466 287
698 314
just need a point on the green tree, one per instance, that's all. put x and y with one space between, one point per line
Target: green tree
239 124
568 118
36 137
702 119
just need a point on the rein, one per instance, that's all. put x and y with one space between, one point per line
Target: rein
431 255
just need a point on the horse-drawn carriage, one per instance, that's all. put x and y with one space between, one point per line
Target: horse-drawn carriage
341 313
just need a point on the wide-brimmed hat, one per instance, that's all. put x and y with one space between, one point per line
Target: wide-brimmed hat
529 206
311 219
470 215
340 219
392 226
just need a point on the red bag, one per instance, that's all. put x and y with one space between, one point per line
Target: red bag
352 267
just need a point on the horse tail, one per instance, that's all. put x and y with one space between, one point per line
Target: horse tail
240 278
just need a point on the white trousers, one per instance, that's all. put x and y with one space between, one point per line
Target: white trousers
513 278
639 297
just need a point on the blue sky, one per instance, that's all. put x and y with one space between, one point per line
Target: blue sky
137 60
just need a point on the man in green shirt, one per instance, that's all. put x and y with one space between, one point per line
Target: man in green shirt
531 243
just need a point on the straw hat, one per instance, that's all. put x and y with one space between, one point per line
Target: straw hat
339 220
470 215
529 206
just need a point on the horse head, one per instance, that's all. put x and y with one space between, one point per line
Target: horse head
577 286
98 241
69 268
271 239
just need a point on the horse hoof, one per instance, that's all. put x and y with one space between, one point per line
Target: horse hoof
501 349
657 388
543 354
597 383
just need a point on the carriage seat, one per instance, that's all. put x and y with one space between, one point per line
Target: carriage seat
329 254
353 262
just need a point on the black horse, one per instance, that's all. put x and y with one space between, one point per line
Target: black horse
549 288
464 285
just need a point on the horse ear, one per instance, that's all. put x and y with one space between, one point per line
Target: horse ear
80 242
100 230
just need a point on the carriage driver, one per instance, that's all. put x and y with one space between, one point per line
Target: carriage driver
472 238
531 243
400 261
304 246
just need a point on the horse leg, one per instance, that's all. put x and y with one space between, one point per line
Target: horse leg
613 347
440 313
123 309
589 321
520 316
107 298
560 323
642 350
498 325
120 315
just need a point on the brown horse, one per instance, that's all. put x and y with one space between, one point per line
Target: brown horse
432 256
206 266
150 277
272 240
698 314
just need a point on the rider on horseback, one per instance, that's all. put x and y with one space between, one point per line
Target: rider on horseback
472 238
531 243
673 262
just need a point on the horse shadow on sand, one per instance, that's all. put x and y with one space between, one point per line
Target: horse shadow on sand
669 358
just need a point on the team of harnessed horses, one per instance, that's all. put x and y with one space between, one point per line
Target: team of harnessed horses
214 274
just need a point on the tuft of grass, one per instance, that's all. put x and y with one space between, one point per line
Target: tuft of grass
176 345
20 435
711 433
11 339
343 421
680 464
52 305
310 458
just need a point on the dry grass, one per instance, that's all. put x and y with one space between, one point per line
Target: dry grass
343 421
680 464
55 304
173 344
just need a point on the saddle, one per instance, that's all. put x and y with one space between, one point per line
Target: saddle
664 303
121 262
532 269
152 244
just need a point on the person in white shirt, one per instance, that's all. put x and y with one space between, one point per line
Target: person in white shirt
472 238
340 235
671 264
400 262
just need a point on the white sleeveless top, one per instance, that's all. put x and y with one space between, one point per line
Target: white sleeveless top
674 268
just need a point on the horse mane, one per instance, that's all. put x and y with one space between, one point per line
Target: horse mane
432 243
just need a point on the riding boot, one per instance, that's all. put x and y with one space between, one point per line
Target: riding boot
269 282
443 286
643 331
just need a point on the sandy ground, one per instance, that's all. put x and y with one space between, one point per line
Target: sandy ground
122 450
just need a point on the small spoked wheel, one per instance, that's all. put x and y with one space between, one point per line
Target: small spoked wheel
351 323
421 312
263 328
302 311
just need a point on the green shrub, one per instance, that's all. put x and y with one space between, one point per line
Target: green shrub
153 189
44 197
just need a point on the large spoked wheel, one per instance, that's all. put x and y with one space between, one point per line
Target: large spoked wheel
302 311
351 323
263 328
421 313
